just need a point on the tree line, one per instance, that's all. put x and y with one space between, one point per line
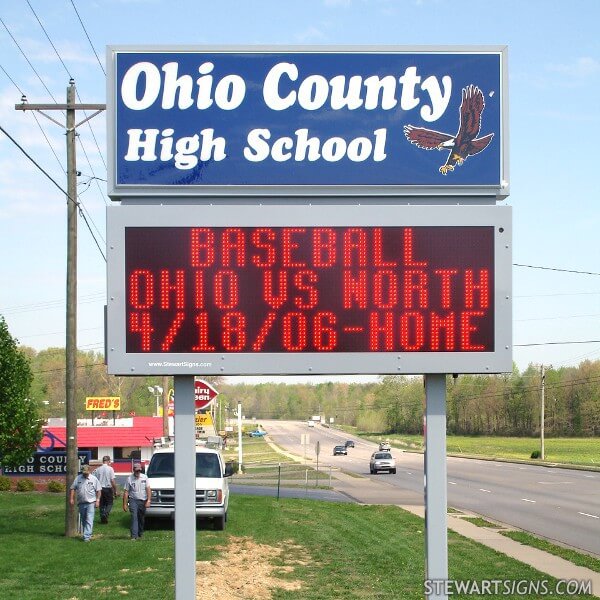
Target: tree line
507 404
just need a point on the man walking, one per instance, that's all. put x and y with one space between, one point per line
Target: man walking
86 488
106 477
136 498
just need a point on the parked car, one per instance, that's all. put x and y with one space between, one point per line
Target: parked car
385 446
340 450
257 433
349 444
382 461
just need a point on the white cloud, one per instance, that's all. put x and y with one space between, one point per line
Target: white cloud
310 34
581 68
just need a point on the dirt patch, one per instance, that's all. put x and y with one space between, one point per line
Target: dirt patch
248 570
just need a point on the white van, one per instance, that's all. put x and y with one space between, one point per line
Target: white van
212 486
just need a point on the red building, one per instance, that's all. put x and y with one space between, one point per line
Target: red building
122 439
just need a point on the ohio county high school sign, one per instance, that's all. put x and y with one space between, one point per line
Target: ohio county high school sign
205 121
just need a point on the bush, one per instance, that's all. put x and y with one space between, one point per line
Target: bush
56 487
25 485
536 454
4 483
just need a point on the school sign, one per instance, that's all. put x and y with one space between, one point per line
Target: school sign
278 122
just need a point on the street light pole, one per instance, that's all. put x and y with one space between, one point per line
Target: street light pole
157 391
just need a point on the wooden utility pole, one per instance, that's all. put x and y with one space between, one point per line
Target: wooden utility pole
70 109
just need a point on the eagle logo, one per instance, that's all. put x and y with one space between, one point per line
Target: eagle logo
462 145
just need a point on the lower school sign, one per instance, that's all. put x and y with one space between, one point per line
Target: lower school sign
46 463
329 289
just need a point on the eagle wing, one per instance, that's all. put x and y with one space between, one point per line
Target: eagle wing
427 139
480 144
471 107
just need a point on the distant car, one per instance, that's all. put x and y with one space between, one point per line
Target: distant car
340 450
385 446
257 433
382 461
349 444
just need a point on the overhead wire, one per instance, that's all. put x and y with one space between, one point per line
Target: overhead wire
23 95
88 38
69 198
68 72
83 211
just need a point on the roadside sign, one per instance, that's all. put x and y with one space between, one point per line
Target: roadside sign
306 121
204 420
103 403
204 394
318 448
309 289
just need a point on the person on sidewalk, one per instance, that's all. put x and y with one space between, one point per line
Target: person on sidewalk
86 488
106 477
136 499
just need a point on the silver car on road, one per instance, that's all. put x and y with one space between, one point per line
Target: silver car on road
382 461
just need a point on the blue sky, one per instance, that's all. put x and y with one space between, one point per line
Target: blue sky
554 87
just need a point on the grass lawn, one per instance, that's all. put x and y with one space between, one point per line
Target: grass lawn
577 558
331 552
575 451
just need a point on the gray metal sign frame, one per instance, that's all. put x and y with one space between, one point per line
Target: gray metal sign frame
122 363
141 193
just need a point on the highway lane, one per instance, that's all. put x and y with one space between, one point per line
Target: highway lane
559 504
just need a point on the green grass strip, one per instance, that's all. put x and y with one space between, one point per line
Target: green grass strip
577 558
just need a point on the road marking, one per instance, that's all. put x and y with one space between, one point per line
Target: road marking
451 483
590 476
555 482
588 515
527 500
408 472
487 491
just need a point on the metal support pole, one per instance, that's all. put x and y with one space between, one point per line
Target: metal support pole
436 532
185 489
165 406
239 416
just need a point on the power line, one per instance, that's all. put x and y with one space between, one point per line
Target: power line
81 213
556 269
62 62
36 119
51 303
48 38
558 343
28 61
53 98
88 38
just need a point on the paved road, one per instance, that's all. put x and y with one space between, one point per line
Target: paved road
559 504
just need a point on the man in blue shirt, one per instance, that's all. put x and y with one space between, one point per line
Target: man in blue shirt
136 498
86 488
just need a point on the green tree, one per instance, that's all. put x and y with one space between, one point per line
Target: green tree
20 426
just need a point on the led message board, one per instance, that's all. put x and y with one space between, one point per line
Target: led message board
207 121
387 289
